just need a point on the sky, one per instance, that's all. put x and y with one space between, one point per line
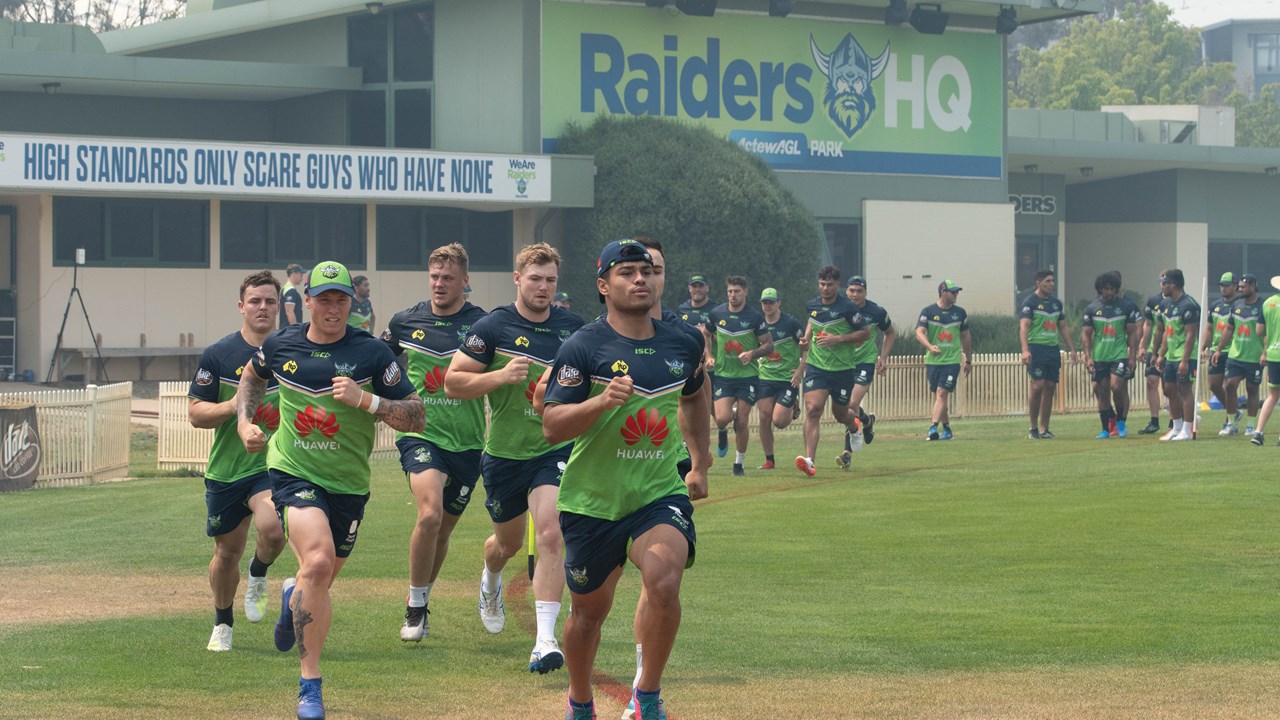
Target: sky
1199 13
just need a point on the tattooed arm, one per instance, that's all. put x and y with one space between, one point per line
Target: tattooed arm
248 398
407 415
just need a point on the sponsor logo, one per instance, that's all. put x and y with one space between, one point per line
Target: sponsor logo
307 494
675 367
733 346
522 341
215 522
204 378
21 454
344 369
569 376
391 375
422 455
475 344
564 335
268 416
321 355
316 418
346 548
645 424
239 371
495 508
291 367
1109 331
418 334
351 533
579 575
620 366
849 99
529 391
433 379
329 271
645 351
678 517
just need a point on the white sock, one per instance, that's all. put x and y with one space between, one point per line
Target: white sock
639 664
418 595
740 458
547 613
492 581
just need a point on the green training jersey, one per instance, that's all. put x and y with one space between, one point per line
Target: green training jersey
734 332
1271 319
1111 323
1150 309
1046 317
216 381
841 317
323 440
1248 331
428 342
498 338
877 319
781 364
361 315
1220 316
1180 316
943 328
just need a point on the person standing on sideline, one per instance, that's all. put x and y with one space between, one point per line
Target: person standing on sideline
870 359
290 298
1269 328
1107 333
335 384
1151 310
236 484
1040 328
1244 334
361 306
695 310
778 391
502 357
827 361
736 337
1216 365
943 331
615 387
443 461
1178 325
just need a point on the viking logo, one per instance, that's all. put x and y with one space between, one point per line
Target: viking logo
329 271
522 341
521 186
850 99
215 522
676 367
344 369
291 367
422 455
579 575
620 366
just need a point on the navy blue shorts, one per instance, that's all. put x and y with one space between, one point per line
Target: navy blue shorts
1170 374
345 512
1220 367
782 392
1102 371
1046 363
1251 372
594 548
837 383
1152 371
461 469
743 389
864 374
1273 373
228 502
943 376
507 483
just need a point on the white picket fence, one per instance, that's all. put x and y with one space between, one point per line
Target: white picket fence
84 434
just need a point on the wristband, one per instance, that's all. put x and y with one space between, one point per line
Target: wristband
360 400
374 403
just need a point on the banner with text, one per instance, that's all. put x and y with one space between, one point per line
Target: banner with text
20 455
802 94
305 171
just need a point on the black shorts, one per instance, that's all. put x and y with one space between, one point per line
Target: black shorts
345 512
942 376
1273 373
1152 370
1251 372
1220 367
864 374
1103 370
743 389
594 548
1046 363
228 502
507 483
782 392
461 469
837 383
1170 374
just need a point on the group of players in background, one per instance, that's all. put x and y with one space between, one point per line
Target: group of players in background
598 432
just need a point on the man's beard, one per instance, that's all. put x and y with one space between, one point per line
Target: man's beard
849 111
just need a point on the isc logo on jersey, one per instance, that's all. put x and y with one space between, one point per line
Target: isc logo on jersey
646 424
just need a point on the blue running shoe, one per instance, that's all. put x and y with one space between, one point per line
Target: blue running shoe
722 443
580 712
648 710
1104 435
1121 430
946 433
546 657
284 624
933 433
310 700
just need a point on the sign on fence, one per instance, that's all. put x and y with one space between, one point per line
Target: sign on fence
20 455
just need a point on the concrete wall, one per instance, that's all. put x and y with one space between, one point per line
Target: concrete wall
913 246
1138 250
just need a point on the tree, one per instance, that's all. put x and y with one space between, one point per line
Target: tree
97 15
1258 122
1039 36
717 210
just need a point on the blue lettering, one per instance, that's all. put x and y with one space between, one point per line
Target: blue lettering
771 75
670 101
708 69
802 109
46 161
606 81
739 81
472 177
379 172
649 85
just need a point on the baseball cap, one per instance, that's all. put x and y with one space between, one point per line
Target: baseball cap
293 268
1249 278
329 275
698 280
769 294
948 286
857 280
620 251
563 297
1227 279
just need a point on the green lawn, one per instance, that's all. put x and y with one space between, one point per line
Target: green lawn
988 576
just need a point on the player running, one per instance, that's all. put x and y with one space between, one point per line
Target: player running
1107 336
776 394
943 331
736 337
1245 334
870 361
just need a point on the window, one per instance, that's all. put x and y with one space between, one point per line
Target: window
131 233
256 235
1266 52
407 235
844 247
1237 256
396 51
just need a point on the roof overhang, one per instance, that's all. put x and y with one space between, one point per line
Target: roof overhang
1114 160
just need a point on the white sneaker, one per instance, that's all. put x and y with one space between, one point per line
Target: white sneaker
855 441
1184 435
492 612
255 599
1248 429
546 656
220 640
1168 436
415 625
1228 430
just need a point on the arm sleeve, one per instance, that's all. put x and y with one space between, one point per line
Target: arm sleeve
570 373
479 343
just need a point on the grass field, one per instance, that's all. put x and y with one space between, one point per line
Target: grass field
986 577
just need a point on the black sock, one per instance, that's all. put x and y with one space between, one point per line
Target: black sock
862 416
257 568
1155 420
769 458
224 616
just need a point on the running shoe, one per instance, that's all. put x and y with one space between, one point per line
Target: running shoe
1046 435
415 625
630 712
844 460
1151 429
1184 435
1104 435
220 640
586 713
284 623
1167 436
546 656
1228 430
310 700
868 433
855 440
1113 427
255 599
1238 417
768 465
946 433
1033 434
933 433
805 466
1257 439
1248 429
492 612
738 470
722 443
1121 429
648 711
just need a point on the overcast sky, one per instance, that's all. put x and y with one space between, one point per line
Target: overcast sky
1199 13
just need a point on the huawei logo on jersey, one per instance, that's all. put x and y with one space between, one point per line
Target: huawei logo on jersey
733 346
1108 331
645 424
528 393
268 416
433 379
316 418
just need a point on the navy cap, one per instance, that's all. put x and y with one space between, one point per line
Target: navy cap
562 297
857 280
1249 278
698 280
293 268
620 251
